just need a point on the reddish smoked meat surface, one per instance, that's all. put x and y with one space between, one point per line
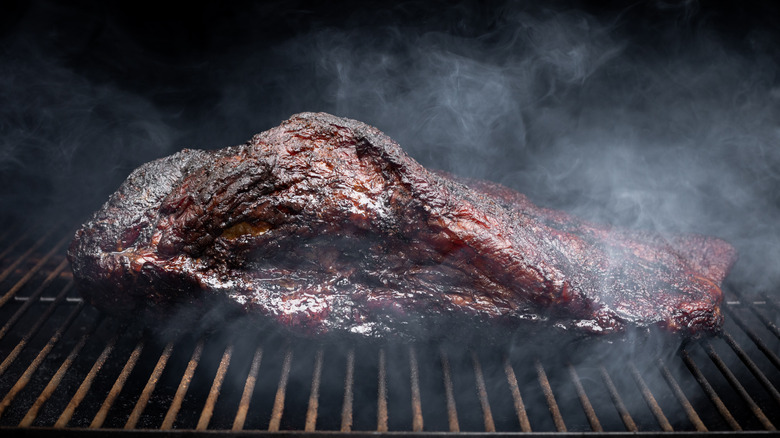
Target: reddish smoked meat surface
325 225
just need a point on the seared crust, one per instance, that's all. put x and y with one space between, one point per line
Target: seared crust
325 225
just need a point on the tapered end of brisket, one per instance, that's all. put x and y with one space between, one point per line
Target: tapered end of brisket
713 258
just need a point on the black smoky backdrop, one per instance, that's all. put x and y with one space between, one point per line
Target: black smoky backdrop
656 115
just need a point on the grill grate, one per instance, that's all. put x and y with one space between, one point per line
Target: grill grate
66 368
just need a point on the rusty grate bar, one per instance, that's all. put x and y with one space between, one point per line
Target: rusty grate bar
15 243
768 303
30 273
349 381
86 384
381 415
552 405
71 300
517 399
756 340
184 385
752 366
734 382
617 400
278 409
314 394
655 408
414 382
57 372
7 271
28 373
211 400
34 329
56 379
771 326
590 413
33 298
680 395
102 413
146 393
249 387
709 390
452 411
484 403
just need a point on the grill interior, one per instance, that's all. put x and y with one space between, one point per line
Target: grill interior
65 367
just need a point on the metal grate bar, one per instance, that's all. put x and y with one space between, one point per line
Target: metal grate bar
770 300
734 382
349 381
756 340
29 274
53 374
617 400
381 414
15 243
595 425
28 373
752 367
517 399
768 303
211 400
705 385
769 324
278 409
678 392
314 394
249 388
414 381
452 411
34 329
72 300
86 384
484 403
650 399
56 379
102 413
184 385
146 393
33 298
552 405
23 257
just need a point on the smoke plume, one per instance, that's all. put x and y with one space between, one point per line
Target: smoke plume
660 116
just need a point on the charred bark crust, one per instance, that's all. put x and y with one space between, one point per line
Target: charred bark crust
324 225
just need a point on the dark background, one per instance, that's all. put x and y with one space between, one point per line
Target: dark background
651 115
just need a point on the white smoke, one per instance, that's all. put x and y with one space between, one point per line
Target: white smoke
667 123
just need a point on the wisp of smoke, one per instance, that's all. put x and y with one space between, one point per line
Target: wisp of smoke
668 124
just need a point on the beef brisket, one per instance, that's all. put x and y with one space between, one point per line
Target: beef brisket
325 225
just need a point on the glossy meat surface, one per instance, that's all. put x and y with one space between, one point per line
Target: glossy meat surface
325 225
